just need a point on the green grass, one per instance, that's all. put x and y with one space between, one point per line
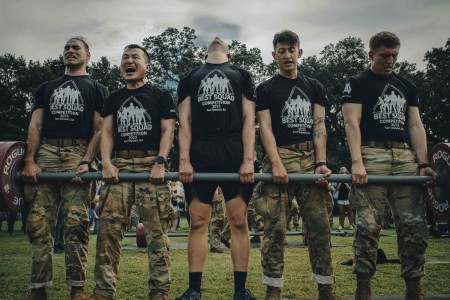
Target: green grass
15 259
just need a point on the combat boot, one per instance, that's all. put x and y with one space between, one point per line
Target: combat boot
38 294
158 295
362 287
99 296
273 293
77 293
413 289
326 292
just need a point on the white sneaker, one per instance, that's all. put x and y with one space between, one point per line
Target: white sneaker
351 227
340 227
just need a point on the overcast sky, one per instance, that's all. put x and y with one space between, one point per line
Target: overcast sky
38 29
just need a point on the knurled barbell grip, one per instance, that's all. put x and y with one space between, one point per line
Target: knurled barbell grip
265 177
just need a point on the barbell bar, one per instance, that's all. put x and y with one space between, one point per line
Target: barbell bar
12 154
265 177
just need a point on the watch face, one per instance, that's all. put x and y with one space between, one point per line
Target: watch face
160 160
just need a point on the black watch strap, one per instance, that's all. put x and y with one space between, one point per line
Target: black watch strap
160 160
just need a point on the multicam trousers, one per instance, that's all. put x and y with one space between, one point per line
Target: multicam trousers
217 221
273 203
44 200
155 209
406 203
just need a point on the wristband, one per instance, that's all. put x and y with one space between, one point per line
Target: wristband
320 163
85 162
423 166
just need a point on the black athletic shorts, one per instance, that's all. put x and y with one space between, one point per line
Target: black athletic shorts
221 154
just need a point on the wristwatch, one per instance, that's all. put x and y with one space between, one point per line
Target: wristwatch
160 160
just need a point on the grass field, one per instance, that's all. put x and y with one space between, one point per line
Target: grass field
15 258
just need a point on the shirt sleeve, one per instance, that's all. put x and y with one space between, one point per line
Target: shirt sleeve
102 94
248 88
183 90
321 94
108 106
39 101
262 98
167 106
352 92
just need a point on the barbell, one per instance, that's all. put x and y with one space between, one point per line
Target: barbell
12 154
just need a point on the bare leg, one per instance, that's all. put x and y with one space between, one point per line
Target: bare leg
198 234
236 210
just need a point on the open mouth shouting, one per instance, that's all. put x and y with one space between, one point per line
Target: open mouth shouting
130 70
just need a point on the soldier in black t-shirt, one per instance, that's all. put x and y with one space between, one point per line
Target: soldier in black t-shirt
291 113
137 136
217 134
63 136
386 137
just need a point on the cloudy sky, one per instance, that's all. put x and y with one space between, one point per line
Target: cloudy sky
38 29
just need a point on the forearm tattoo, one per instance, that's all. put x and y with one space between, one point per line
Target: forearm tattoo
319 132
318 120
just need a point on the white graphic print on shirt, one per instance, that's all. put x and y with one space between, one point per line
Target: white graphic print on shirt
66 102
296 113
390 108
133 121
215 91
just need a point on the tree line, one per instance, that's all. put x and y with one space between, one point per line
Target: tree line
174 52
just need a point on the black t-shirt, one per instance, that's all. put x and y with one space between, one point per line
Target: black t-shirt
137 116
290 102
385 102
216 98
69 103
343 192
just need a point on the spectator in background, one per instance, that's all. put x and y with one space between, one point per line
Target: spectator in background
343 202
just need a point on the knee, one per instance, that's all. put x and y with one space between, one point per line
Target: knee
238 222
198 222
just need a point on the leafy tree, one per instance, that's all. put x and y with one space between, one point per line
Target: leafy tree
172 53
104 73
13 112
435 94
335 65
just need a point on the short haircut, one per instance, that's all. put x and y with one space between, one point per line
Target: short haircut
286 36
384 38
134 46
81 39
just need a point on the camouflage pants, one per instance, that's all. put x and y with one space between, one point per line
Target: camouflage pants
44 200
273 203
217 222
406 203
155 209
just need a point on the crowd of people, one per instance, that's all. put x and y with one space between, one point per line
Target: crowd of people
74 118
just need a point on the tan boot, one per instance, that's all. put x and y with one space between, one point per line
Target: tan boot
38 294
273 293
413 289
362 287
326 292
77 293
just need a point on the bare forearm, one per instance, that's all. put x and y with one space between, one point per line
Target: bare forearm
93 146
106 147
166 142
33 143
320 139
354 141
270 145
185 139
248 139
418 140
